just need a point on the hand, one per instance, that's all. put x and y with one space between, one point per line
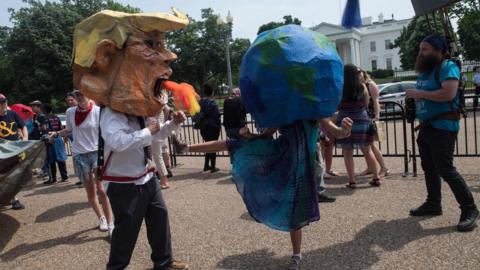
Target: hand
52 134
153 126
246 133
179 117
347 126
413 93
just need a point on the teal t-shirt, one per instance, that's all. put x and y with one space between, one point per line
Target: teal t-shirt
427 109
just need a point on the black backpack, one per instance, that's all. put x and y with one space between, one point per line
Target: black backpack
461 89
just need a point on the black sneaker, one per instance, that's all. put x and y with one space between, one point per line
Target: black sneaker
50 182
169 173
214 170
426 209
64 179
325 198
17 205
79 183
467 220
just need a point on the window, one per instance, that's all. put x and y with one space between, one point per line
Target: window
373 46
389 63
388 44
374 64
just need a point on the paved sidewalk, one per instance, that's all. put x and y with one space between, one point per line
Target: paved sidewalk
368 228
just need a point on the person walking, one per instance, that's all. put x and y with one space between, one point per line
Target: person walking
373 111
437 104
83 123
12 128
211 125
234 114
354 105
56 153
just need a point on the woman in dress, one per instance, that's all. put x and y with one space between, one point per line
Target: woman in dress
373 111
354 105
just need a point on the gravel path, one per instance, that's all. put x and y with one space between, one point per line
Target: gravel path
368 228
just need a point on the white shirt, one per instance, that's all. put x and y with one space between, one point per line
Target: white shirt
85 136
476 79
123 136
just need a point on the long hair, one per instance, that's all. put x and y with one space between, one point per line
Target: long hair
352 87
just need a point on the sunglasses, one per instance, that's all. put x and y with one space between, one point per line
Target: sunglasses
3 101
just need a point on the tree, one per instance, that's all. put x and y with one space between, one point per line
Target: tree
35 54
468 14
287 19
411 37
200 48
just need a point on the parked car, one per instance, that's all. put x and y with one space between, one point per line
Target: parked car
63 119
394 92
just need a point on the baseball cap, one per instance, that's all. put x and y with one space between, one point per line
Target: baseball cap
36 102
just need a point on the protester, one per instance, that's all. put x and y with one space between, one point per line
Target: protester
373 111
211 125
354 105
320 171
56 153
288 156
83 123
234 114
437 108
476 82
159 146
70 99
128 88
12 128
39 129
326 145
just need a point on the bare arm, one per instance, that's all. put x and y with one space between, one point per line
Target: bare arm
446 93
24 133
338 132
374 92
366 95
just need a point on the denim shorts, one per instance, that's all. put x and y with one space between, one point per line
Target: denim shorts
84 164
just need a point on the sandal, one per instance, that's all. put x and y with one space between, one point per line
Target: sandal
375 182
333 173
352 185
365 173
164 186
385 172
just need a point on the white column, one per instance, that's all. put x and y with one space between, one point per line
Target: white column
358 51
352 52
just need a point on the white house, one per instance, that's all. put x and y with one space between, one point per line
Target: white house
368 46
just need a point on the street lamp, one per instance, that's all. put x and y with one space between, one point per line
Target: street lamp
228 37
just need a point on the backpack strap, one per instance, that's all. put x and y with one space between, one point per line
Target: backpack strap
101 149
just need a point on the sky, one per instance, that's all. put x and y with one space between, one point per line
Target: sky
249 15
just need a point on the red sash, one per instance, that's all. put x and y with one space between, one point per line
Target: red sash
81 114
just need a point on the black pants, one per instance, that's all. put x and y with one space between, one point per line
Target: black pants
436 151
210 134
130 205
62 167
475 101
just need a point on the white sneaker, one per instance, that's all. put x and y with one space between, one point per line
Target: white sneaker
103 224
110 230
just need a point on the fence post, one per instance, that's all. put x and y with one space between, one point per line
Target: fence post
414 154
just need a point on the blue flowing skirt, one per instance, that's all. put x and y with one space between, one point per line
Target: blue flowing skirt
276 177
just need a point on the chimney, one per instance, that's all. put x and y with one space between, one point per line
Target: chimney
381 18
367 21
393 17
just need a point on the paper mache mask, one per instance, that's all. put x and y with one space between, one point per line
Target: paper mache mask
120 60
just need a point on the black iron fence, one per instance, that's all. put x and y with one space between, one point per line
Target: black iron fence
399 137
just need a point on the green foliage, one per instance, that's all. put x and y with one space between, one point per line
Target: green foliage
411 37
271 25
35 54
468 15
201 51
381 73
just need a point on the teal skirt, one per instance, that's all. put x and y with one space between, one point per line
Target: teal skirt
276 177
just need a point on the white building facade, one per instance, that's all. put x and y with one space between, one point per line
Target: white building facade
369 46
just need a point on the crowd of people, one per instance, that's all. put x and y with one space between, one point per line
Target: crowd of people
121 159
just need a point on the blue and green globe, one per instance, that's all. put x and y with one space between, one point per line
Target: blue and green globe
291 73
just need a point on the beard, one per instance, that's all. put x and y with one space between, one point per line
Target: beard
426 64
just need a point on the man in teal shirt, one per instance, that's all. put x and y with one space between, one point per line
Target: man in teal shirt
437 108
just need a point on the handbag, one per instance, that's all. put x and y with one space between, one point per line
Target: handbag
378 130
